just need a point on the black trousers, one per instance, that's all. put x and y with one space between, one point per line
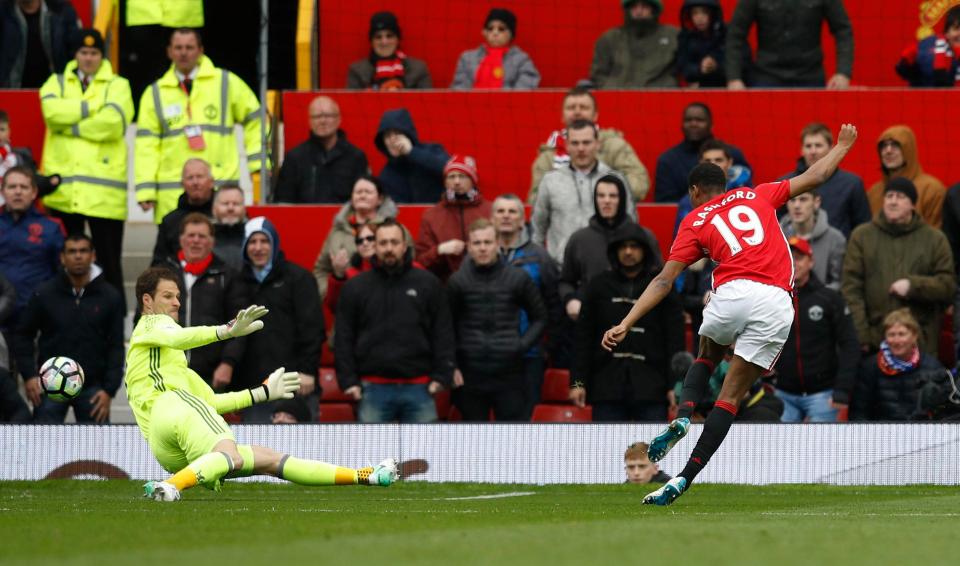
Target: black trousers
107 236
507 405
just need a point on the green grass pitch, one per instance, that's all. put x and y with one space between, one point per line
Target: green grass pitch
106 523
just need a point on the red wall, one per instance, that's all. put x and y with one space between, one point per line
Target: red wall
504 130
26 121
304 228
559 34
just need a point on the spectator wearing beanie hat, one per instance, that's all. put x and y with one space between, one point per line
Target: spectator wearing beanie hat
387 67
898 260
498 63
441 244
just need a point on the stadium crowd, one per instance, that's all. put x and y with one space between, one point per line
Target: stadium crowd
480 303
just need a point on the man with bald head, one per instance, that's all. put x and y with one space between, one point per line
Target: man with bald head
323 168
198 185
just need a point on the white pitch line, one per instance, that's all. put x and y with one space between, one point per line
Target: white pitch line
491 496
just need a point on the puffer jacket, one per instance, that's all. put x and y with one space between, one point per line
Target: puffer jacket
882 397
930 191
486 303
878 254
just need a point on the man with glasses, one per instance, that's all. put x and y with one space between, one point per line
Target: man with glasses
323 168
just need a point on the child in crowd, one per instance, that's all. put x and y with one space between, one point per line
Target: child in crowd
497 63
639 467
11 156
934 60
700 45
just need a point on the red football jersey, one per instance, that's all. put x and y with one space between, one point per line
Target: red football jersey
739 230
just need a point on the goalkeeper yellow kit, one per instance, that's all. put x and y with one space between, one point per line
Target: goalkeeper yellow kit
177 412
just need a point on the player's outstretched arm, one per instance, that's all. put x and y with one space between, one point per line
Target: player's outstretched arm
819 172
246 322
655 292
280 384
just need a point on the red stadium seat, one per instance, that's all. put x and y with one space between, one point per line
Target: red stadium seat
331 389
562 414
442 400
326 355
556 386
336 413
843 415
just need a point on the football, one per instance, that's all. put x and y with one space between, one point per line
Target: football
61 378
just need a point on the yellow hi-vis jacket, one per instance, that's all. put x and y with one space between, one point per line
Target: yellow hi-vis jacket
167 13
218 100
85 142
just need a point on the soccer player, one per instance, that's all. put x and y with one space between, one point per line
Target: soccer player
179 414
750 304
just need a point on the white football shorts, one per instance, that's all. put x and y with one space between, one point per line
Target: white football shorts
756 316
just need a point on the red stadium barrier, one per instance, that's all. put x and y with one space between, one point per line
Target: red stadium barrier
504 130
559 35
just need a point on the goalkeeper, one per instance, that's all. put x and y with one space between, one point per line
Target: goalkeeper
179 414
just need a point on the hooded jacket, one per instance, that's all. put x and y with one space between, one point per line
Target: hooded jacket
311 173
693 45
842 197
58 23
418 176
486 303
585 255
519 72
447 220
168 233
638 54
639 368
295 321
880 253
87 328
930 191
821 351
829 247
342 236
565 203
215 297
394 324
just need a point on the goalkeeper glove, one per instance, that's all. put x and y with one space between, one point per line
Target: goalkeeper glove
279 385
246 322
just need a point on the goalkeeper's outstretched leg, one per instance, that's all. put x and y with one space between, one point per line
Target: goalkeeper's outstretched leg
228 459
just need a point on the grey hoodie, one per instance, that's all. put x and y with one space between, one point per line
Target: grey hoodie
828 245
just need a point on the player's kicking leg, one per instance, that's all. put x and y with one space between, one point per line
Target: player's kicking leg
227 459
695 384
741 375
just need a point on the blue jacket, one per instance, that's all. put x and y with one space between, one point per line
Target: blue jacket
675 164
538 264
418 176
29 253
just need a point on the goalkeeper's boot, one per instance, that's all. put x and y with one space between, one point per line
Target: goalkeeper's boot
161 491
666 494
664 441
383 474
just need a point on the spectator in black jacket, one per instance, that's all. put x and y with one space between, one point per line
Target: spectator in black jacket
788 44
35 38
12 407
229 220
842 196
78 314
818 365
888 383
294 326
951 229
633 383
414 169
701 44
487 298
674 164
197 181
393 337
586 253
518 250
210 292
322 169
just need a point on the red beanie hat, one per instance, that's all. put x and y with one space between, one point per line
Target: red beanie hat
465 164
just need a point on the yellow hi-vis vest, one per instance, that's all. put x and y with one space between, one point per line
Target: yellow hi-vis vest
218 100
85 142
167 13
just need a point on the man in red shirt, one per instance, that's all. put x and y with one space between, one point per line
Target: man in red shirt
750 304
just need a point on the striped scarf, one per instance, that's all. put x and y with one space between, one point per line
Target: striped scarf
892 365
